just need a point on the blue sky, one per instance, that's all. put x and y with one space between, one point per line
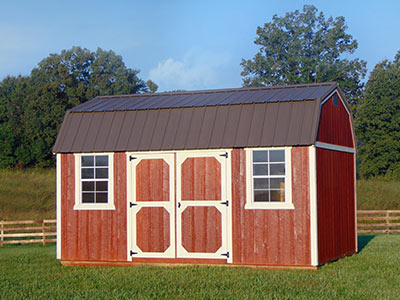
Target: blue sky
178 44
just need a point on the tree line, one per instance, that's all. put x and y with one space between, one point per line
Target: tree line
299 47
32 107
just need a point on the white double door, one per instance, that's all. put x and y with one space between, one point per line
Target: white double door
178 205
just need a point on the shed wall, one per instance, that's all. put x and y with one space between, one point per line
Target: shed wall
335 204
95 235
273 237
335 124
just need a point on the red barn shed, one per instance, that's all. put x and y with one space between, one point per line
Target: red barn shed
249 176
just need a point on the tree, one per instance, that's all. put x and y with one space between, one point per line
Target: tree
305 47
151 86
378 122
13 91
32 108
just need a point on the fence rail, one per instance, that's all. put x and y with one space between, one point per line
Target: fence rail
27 232
378 221
44 231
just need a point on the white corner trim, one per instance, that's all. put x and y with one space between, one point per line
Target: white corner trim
250 204
58 205
334 147
313 206
229 227
78 186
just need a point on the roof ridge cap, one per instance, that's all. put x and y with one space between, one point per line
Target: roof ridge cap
215 91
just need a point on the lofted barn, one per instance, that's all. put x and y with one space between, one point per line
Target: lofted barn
250 176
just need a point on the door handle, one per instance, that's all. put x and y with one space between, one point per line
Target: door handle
179 204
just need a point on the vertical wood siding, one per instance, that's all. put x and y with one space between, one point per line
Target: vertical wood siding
93 234
201 179
201 226
335 204
201 229
152 229
335 125
274 237
152 180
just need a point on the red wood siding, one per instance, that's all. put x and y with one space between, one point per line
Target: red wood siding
201 229
201 226
335 125
201 179
152 180
152 229
93 234
335 204
273 237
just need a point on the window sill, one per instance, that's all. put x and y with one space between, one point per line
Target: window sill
278 205
94 207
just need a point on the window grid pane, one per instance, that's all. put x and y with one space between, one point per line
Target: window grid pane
94 179
269 174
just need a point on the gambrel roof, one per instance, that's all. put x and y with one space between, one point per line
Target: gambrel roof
244 117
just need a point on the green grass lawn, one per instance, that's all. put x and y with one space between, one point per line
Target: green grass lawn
32 272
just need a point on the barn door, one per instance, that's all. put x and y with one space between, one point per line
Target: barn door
202 204
151 205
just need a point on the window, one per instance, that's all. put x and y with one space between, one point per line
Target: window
335 100
268 178
94 181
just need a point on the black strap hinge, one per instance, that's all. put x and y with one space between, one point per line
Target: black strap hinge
132 204
226 254
132 157
132 253
225 202
225 155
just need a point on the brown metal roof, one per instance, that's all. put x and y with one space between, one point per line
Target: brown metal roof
206 98
253 117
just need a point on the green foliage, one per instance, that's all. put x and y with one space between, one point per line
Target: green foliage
32 108
32 272
305 47
151 86
378 122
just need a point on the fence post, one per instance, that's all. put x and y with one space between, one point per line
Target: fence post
1 233
43 232
387 222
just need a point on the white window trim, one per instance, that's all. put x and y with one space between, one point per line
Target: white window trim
78 184
250 204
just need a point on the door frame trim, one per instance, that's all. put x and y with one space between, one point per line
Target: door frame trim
226 194
168 157
176 153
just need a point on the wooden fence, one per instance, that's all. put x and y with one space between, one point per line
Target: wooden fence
378 221
44 231
27 232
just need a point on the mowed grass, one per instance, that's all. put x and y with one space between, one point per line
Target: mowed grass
27 194
32 272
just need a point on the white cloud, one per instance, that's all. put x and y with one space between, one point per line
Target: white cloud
195 71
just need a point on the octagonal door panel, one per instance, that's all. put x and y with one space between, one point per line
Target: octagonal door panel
202 205
151 206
